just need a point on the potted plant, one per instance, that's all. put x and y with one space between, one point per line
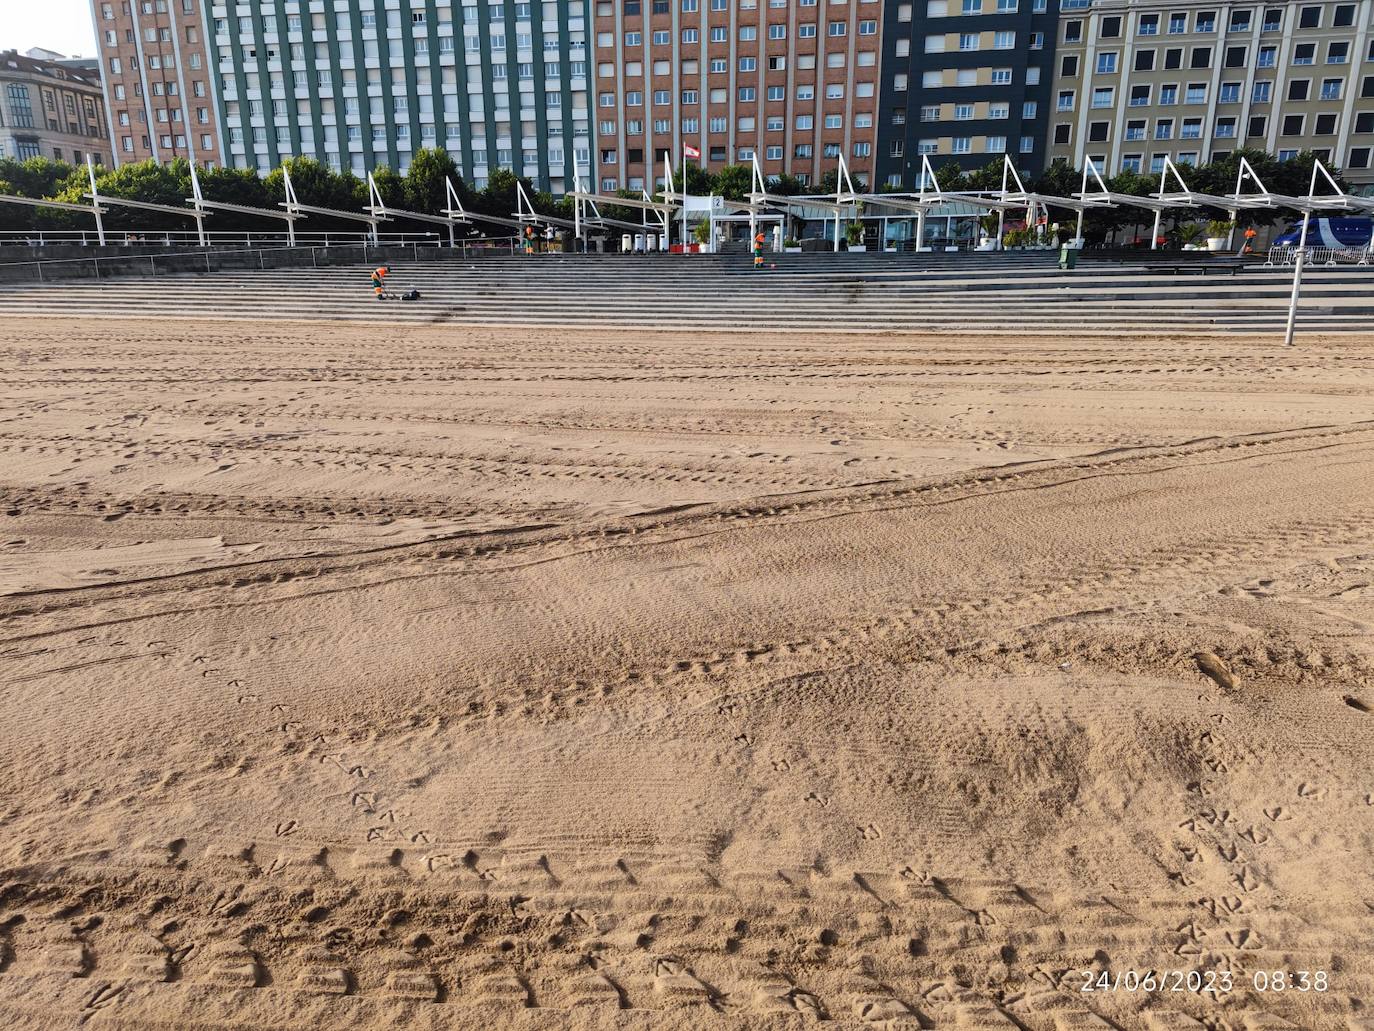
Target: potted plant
702 232
854 235
1187 234
1217 233
791 246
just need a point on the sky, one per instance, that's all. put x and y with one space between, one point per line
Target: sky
61 25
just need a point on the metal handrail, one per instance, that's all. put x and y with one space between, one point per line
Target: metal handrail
186 259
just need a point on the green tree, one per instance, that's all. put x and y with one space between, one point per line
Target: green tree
499 195
240 186
35 177
390 185
786 186
987 178
733 182
424 184
317 184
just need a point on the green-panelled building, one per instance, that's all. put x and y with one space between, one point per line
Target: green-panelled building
360 84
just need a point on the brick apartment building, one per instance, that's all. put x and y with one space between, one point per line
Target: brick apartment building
794 82
159 92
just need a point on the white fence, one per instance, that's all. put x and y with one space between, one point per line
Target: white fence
1319 256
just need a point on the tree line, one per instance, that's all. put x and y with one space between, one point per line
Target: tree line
422 189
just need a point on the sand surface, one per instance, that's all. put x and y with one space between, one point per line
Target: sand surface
441 679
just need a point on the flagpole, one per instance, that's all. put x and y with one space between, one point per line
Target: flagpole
684 199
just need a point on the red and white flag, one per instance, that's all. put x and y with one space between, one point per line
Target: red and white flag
691 151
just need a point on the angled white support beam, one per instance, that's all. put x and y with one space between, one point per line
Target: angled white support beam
1310 204
201 204
377 206
40 202
143 205
295 207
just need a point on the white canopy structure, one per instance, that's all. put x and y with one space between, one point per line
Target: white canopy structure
198 214
294 207
586 211
452 215
201 204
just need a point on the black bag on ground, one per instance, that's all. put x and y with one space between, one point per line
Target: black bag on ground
411 295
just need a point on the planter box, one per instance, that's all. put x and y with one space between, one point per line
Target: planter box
857 247
791 250
1216 243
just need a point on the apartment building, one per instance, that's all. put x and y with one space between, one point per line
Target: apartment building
964 82
1138 82
50 109
157 80
365 83
793 82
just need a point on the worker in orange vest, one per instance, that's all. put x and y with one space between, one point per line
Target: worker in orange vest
379 281
758 251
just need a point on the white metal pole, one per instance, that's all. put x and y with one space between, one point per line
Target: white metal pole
95 200
683 200
1154 236
1002 212
921 229
1302 255
1297 280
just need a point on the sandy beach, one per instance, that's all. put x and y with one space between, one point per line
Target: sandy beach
443 678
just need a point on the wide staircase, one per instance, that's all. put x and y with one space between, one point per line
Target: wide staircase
833 292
